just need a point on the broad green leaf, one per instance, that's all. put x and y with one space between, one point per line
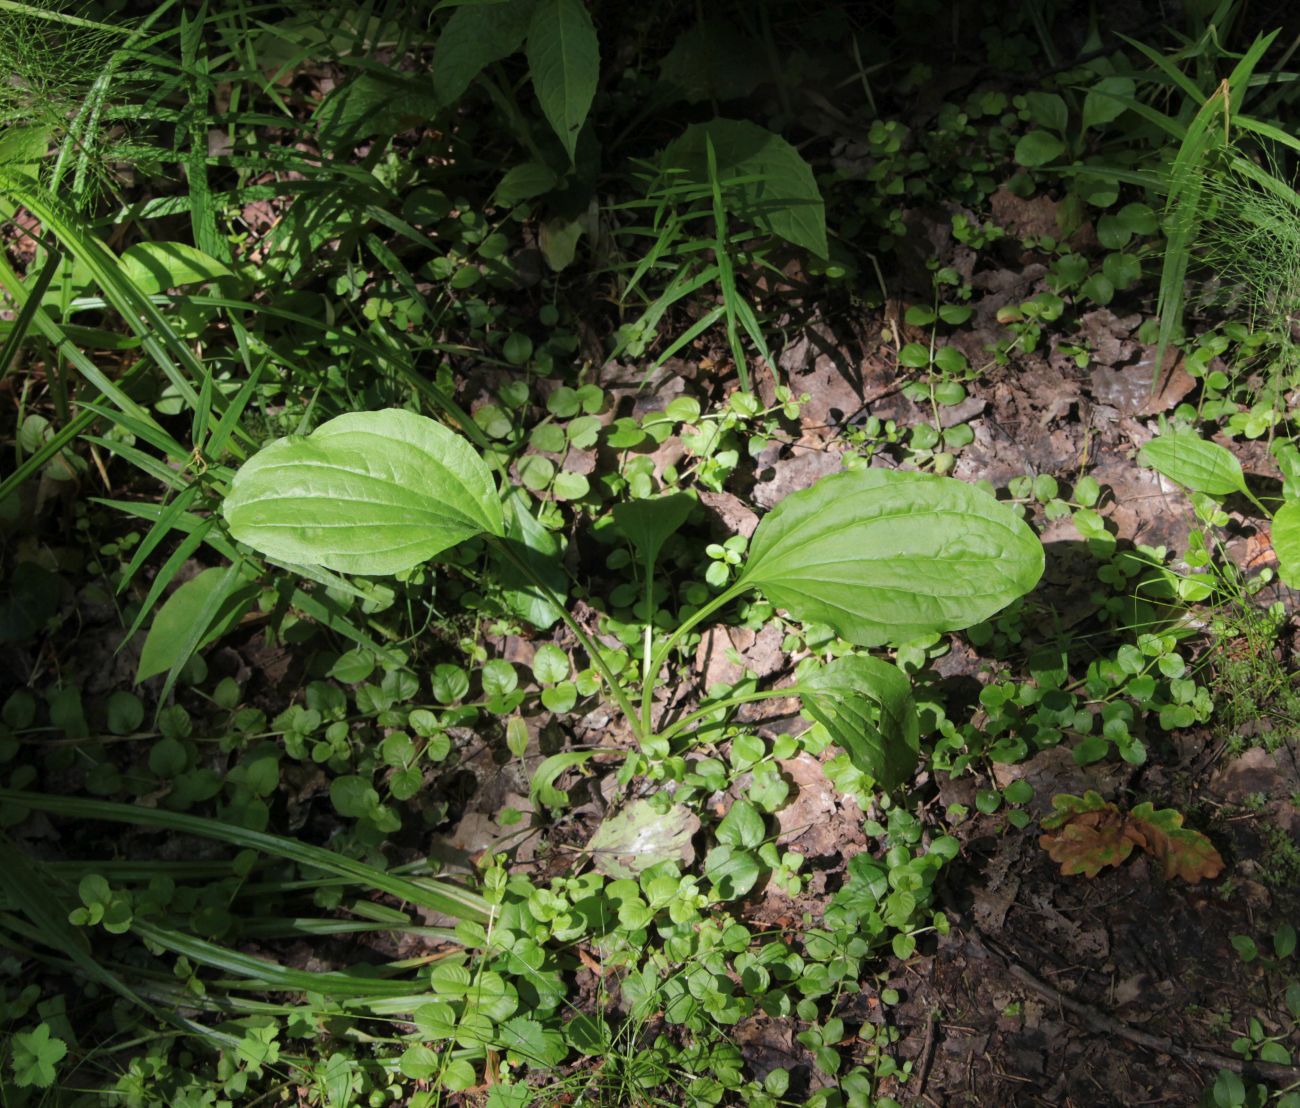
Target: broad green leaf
866 706
765 180
155 267
886 556
525 181
1286 541
539 549
1048 109
564 59
1037 148
475 37
639 836
374 103
1195 463
648 523
367 493
1106 100
174 621
712 61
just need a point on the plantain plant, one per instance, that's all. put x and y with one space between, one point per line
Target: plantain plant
881 556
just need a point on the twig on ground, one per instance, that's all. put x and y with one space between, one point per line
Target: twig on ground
1107 1024
924 1059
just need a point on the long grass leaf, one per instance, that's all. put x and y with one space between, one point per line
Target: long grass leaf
22 324
183 552
67 349
199 627
263 975
1167 67
29 891
426 893
160 530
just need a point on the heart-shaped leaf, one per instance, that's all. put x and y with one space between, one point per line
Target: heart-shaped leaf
765 180
887 556
866 706
368 493
646 524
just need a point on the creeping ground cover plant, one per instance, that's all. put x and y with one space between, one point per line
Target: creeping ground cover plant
880 556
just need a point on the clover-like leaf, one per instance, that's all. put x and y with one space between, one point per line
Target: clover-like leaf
367 493
34 1057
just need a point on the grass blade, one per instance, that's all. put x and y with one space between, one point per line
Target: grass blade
439 896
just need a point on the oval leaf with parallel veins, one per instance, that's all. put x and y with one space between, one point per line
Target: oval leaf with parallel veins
884 556
1194 462
366 493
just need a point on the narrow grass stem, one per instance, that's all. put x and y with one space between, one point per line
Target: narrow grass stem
661 655
682 724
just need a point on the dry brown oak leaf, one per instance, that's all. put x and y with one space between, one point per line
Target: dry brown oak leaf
1087 833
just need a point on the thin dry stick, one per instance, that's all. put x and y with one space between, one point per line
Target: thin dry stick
1105 1024
924 1058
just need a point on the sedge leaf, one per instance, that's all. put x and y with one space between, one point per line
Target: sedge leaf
886 556
367 492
